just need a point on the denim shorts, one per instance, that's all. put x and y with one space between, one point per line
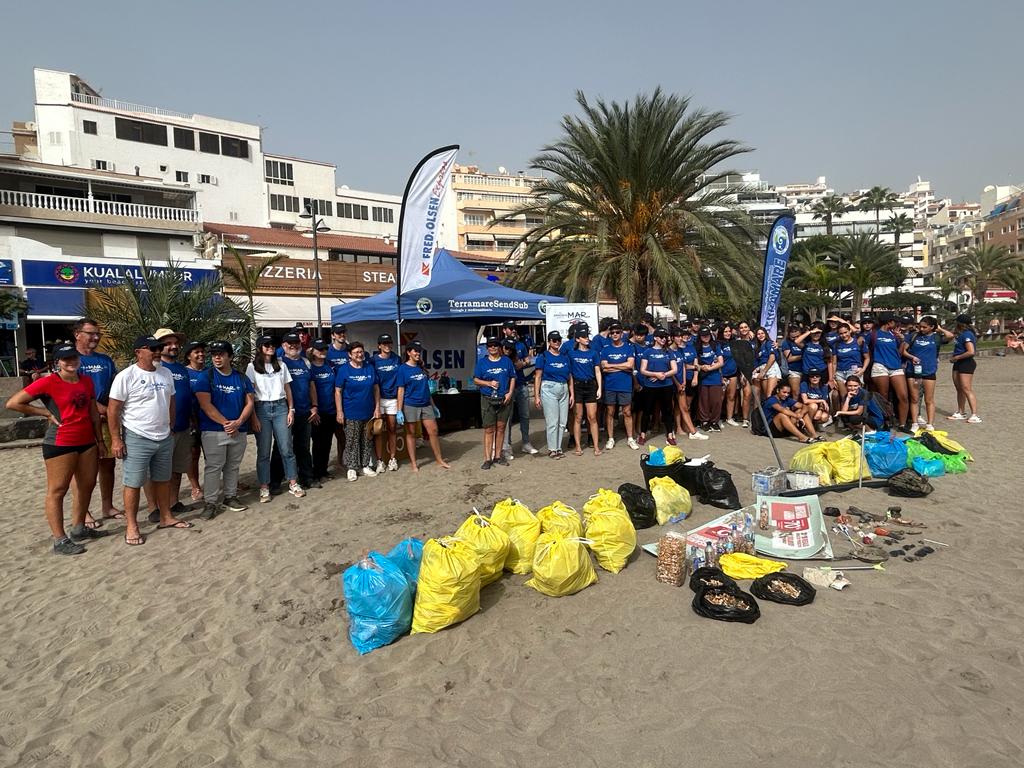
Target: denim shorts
616 398
145 458
414 413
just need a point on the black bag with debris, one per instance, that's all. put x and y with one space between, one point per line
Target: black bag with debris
785 588
909 483
710 576
639 504
717 488
726 604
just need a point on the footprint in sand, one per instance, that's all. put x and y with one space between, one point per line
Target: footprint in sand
973 680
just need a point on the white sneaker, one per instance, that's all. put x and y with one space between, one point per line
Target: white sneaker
368 471
827 422
296 490
929 427
507 454
610 444
352 475
633 444
393 465
381 468
975 419
957 416
698 435
745 424
732 422
921 420
264 495
527 448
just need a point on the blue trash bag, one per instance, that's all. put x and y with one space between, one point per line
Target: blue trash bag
929 467
407 555
656 458
886 455
379 602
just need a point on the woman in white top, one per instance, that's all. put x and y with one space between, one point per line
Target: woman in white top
273 417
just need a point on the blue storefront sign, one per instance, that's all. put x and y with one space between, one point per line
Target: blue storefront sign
6 272
85 274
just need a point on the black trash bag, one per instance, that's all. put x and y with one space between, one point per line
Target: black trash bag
762 589
709 576
927 439
909 483
741 605
717 488
639 504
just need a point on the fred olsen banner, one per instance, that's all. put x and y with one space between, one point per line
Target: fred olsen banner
420 220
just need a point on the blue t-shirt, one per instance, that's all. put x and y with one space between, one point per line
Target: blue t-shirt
500 370
387 374
849 355
193 376
771 402
766 349
599 342
227 395
414 380
729 369
832 338
658 361
522 353
887 350
617 381
582 364
336 357
356 385
815 355
182 396
796 363
856 401
298 367
553 367
925 347
101 369
959 346
323 379
816 393
707 355
686 358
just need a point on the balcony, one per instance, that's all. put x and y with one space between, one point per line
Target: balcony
65 208
127 106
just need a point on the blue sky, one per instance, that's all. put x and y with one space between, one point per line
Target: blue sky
862 92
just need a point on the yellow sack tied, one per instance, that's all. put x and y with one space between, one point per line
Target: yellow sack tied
561 566
612 537
522 528
448 590
490 543
846 456
670 499
562 518
672 454
604 499
742 566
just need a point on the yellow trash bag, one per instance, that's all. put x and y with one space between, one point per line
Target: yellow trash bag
604 499
670 499
612 537
561 565
943 438
448 590
739 565
845 457
490 542
812 459
522 528
672 454
562 518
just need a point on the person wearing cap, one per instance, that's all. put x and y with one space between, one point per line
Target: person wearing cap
832 331
71 445
887 372
585 371
416 406
965 348
618 361
710 362
181 430
306 405
687 382
273 417
658 367
521 360
921 351
195 356
552 391
385 362
495 376
142 403
324 421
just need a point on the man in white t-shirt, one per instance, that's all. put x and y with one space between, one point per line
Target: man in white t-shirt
142 402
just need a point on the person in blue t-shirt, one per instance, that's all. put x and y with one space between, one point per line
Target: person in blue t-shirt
658 367
921 351
852 411
324 421
687 382
851 359
337 355
618 361
710 362
415 405
887 366
832 331
226 404
495 376
101 369
816 355
356 401
766 357
306 405
964 360
787 417
195 355
791 351
385 362
552 391
585 368
181 429
730 374
522 360
816 398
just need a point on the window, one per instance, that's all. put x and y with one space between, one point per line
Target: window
474 219
279 172
184 138
99 165
54 138
136 130
386 215
204 178
354 211
232 215
320 207
181 176
231 147
209 143
284 203
89 126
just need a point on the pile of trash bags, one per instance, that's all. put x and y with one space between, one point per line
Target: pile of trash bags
931 453
835 462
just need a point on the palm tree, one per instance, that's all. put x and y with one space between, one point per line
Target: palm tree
986 265
828 208
876 199
814 276
866 265
634 205
247 277
12 303
899 224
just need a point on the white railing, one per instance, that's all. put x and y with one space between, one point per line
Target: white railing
127 106
37 201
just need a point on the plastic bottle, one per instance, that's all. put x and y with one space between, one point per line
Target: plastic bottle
762 517
748 535
709 555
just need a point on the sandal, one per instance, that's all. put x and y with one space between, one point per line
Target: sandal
134 541
92 525
579 452
118 516
179 524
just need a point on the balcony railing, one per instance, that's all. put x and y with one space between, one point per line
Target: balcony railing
127 106
35 201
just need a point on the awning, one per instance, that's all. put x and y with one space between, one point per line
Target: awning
479 237
55 303
286 311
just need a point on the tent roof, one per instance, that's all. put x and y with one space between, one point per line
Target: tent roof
455 291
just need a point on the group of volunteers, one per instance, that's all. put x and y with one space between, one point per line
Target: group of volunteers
179 402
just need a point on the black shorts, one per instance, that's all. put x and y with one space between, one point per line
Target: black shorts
965 365
852 421
584 390
692 391
53 451
922 376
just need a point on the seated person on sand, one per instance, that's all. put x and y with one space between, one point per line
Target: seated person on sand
815 398
786 416
853 408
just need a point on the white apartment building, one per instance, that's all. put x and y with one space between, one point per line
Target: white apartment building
802 195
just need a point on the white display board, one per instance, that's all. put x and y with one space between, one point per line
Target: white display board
449 346
560 316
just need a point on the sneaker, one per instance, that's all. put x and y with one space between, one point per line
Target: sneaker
506 456
232 503
610 444
67 547
211 510
369 472
486 465
83 533
296 490
381 467
975 419
921 420
698 435
527 448
264 495
393 465
827 422
352 475
714 427
670 439
732 422
957 416
502 460
929 427
745 424
633 444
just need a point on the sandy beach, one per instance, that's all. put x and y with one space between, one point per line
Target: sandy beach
226 645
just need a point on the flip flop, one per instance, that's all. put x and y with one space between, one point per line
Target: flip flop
180 524
135 541
118 516
92 525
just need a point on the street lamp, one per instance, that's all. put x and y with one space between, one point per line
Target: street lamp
317 225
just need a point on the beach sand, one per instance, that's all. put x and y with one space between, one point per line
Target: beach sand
227 645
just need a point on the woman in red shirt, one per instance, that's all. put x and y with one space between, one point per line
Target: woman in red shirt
71 447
